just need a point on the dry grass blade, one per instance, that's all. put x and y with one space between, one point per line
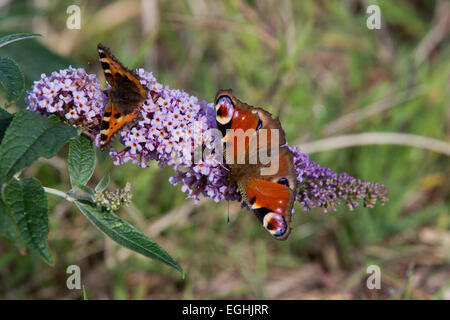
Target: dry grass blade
178 215
377 138
436 35
382 105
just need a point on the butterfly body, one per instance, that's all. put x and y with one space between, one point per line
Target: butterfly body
125 97
260 162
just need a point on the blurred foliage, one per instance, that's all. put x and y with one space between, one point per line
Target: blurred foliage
311 63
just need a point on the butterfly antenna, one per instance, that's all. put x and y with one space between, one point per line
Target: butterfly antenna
221 164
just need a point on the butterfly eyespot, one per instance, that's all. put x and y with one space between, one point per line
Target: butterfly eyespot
259 125
275 224
224 110
284 182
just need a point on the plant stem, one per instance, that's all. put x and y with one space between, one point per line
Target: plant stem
59 194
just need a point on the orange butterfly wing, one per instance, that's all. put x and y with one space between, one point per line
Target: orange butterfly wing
272 196
126 96
271 204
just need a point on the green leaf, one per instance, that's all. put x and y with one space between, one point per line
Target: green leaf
85 297
81 161
16 37
103 184
11 79
28 137
9 227
28 202
125 234
5 120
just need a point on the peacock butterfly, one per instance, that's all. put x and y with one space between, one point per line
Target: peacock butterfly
267 187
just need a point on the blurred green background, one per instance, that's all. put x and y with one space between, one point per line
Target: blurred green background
317 66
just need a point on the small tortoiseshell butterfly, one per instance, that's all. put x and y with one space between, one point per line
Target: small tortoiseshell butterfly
126 97
270 196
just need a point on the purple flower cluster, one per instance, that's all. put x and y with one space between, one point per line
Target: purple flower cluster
71 93
172 129
321 187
